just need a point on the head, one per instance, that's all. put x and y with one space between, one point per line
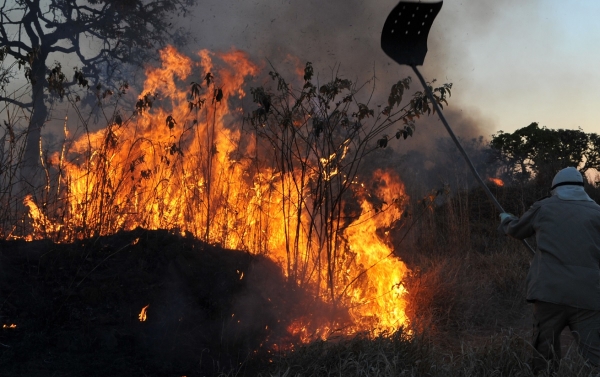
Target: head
568 185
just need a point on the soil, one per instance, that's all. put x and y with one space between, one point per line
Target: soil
76 307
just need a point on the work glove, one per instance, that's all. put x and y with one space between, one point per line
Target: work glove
505 215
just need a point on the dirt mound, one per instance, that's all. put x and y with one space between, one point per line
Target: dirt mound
76 306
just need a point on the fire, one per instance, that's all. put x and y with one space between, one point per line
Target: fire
496 181
385 299
142 316
182 162
11 326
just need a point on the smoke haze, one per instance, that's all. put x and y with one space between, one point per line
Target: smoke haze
344 37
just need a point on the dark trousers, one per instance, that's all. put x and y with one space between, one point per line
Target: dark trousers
549 321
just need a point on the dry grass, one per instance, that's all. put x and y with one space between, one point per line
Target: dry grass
467 305
504 354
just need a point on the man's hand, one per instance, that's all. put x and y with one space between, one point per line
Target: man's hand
506 215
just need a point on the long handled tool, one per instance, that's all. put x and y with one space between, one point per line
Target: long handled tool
404 39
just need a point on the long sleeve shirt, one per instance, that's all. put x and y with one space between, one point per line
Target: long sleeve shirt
566 266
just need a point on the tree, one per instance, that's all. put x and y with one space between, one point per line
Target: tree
539 153
100 34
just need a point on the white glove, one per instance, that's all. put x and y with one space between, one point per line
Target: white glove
505 215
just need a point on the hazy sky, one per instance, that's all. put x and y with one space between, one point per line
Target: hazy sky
512 62
533 61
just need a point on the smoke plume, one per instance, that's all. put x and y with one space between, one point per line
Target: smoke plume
343 38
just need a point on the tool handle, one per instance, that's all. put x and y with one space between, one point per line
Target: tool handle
460 148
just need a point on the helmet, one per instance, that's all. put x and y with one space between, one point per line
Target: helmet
567 176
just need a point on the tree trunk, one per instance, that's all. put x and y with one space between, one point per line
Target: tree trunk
31 167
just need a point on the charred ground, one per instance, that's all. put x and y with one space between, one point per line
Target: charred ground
76 306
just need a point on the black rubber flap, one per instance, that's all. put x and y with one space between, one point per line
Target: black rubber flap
404 35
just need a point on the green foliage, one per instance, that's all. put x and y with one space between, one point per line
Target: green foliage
538 153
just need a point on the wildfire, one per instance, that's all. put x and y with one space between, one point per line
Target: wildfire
183 163
11 326
142 316
496 181
385 300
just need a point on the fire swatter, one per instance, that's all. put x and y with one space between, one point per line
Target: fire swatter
404 39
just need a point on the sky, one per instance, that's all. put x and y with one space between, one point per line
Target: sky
511 62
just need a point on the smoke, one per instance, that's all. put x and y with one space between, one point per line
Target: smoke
343 38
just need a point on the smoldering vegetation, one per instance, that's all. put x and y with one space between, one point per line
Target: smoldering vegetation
142 303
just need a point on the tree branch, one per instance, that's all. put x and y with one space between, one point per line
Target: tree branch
15 102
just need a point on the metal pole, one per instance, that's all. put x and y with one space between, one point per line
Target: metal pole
460 148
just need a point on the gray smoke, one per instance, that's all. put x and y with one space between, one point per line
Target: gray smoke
346 35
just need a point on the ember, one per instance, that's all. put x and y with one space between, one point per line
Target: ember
496 181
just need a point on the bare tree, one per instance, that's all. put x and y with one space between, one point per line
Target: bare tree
99 34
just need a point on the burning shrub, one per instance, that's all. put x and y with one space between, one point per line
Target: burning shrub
289 188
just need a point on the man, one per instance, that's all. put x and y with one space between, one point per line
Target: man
564 278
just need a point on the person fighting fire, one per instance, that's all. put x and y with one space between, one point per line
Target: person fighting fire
563 282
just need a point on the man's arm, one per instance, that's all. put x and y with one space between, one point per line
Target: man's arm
519 228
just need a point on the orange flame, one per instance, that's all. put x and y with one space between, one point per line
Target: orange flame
183 163
496 181
142 316
11 326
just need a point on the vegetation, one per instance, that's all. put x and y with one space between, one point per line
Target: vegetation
467 290
175 164
467 313
99 34
538 153
321 136
469 316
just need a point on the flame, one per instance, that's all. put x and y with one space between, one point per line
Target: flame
183 163
43 224
496 181
381 307
11 326
142 316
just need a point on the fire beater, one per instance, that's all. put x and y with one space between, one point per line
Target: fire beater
404 39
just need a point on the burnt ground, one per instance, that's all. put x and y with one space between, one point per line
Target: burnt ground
76 307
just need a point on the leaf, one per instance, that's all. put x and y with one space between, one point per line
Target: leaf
218 95
363 111
171 123
208 78
382 143
195 90
308 71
